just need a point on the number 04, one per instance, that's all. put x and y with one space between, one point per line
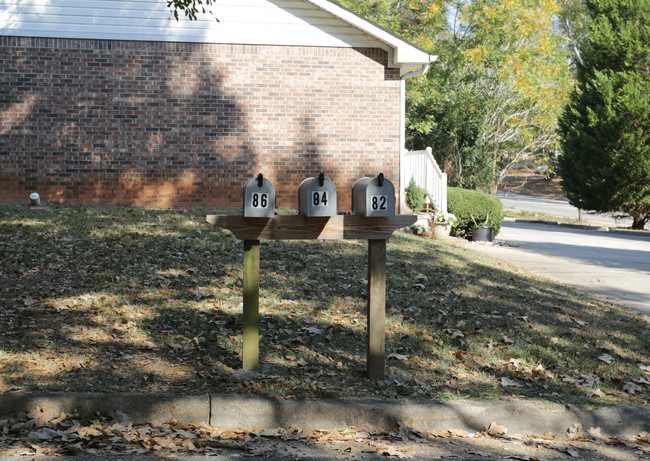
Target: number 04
319 198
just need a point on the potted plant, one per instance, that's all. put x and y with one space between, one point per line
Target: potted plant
482 232
421 229
441 223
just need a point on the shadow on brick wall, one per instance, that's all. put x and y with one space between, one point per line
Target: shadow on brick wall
102 125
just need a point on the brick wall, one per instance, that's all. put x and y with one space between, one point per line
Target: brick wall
185 125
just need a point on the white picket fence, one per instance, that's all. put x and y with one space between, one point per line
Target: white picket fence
421 166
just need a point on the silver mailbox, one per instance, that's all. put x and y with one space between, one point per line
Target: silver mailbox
373 197
317 197
259 198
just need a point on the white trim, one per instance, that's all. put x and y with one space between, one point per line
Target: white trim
405 55
321 23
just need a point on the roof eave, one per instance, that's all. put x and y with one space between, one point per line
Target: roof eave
406 55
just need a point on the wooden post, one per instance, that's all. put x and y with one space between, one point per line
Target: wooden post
376 336
250 352
297 227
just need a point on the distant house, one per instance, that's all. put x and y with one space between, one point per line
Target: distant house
110 101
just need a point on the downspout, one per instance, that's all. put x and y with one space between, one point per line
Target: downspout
402 133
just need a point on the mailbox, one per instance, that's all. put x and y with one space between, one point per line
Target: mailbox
373 197
317 197
259 198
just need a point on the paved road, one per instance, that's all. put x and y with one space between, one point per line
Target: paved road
614 266
561 208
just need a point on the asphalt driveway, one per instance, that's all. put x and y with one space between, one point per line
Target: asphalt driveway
612 265
564 209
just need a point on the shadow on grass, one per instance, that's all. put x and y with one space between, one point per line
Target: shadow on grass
139 300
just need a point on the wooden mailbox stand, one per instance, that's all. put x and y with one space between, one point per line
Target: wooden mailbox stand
376 230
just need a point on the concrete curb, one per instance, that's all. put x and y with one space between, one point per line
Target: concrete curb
602 228
239 411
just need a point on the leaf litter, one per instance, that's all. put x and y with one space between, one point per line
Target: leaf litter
44 432
124 299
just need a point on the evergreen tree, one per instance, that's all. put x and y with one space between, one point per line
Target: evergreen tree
605 128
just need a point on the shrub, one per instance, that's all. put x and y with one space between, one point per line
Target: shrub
414 196
473 208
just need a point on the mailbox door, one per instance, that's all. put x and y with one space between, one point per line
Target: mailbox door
380 201
371 199
259 202
317 200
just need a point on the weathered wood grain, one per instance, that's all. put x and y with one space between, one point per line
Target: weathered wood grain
299 227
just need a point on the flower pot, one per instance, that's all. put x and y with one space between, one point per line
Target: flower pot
482 233
440 230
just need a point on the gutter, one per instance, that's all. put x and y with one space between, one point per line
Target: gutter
402 135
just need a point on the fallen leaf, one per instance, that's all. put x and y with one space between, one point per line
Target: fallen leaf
539 370
496 430
576 430
395 355
643 437
313 330
644 367
596 393
589 380
571 452
594 432
505 382
570 379
43 415
606 358
44 433
632 388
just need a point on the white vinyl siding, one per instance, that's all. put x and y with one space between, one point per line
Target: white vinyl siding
262 22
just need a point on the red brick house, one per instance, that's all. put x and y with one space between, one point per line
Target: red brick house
110 101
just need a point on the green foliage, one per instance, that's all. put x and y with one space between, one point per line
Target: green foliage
494 95
190 8
473 208
605 127
414 196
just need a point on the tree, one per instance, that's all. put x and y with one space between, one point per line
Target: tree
573 22
190 8
497 90
605 128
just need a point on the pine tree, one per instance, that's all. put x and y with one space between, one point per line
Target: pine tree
605 128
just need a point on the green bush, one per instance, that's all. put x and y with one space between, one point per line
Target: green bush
473 208
414 196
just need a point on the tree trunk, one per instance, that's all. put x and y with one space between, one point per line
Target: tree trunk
495 153
639 222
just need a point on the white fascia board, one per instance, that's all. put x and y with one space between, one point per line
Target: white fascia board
405 55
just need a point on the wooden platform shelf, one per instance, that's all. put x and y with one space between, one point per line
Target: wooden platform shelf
375 230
